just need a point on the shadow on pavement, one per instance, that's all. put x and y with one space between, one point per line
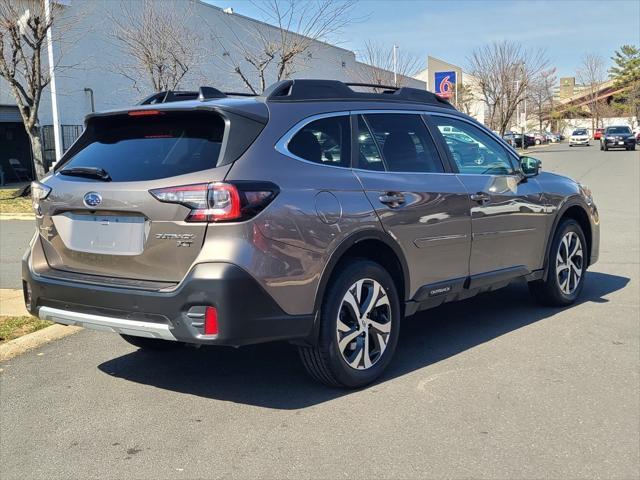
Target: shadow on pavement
272 376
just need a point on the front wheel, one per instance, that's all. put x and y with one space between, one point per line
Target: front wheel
567 266
359 327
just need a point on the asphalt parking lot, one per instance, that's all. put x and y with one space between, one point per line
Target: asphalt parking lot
494 387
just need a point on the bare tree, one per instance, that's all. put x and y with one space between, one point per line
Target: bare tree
591 75
380 65
275 50
540 95
157 40
505 71
464 98
23 36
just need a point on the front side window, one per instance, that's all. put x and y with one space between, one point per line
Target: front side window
405 143
474 151
326 141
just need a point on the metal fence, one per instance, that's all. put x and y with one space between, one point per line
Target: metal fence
69 135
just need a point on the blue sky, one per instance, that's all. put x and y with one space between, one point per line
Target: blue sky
451 29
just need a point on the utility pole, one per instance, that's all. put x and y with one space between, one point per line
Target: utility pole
52 84
395 65
524 120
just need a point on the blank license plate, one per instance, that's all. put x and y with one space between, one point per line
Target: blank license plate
103 234
620 143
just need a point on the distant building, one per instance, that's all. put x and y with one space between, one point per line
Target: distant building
95 84
445 79
567 87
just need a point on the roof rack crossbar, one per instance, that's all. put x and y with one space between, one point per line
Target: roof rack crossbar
334 90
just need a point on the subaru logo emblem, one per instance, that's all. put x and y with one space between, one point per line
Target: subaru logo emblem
92 199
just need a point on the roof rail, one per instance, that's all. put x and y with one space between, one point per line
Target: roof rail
203 94
328 90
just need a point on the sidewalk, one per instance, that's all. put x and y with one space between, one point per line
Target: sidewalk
12 303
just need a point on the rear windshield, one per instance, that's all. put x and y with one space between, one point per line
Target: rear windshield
618 130
151 147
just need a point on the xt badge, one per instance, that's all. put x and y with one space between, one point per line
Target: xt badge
182 239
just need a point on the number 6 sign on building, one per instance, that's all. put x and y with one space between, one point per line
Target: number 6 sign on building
445 83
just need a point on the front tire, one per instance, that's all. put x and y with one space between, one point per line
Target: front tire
567 266
359 327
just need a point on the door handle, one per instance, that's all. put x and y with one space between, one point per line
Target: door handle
392 199
480 197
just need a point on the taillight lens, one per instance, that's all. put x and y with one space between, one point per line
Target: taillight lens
219 202
39 191
211 321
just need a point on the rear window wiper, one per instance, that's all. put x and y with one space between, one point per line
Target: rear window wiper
87 172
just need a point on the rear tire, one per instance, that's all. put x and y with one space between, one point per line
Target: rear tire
354 348
145 343
567 267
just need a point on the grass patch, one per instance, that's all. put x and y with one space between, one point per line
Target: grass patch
8 204
14 327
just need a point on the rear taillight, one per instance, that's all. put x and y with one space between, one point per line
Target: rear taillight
211 321
39 191
219 202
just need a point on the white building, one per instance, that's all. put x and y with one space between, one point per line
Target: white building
95 57
473 104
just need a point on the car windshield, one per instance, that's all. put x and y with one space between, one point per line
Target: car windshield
580 132
618 130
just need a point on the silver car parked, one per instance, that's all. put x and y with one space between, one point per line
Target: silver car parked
314 213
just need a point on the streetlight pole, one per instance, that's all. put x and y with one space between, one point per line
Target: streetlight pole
395 65
52 83
524 119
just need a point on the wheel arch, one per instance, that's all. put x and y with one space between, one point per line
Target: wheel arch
578 212
374 245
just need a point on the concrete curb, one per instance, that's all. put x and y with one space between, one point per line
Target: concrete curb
20 345
17 216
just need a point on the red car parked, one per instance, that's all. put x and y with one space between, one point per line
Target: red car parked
597 135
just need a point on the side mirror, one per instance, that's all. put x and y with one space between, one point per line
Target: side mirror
530 166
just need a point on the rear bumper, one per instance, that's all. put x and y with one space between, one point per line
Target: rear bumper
111 324
246 312
579 142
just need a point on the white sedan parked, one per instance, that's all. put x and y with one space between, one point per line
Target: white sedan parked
579 136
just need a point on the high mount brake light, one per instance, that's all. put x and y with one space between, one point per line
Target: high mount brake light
219 202
144 113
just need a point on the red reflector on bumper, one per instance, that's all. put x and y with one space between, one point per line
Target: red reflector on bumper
211 321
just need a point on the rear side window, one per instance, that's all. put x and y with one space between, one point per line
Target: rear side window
326 141
405 143
151 147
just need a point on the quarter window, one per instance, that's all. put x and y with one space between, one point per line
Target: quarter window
326 141
405 143
473 150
